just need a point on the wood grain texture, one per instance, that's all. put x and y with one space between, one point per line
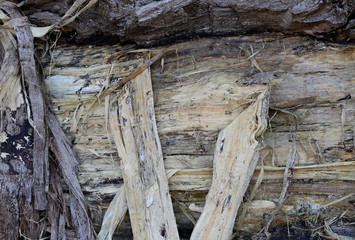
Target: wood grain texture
16 156
197 91
29 75
234 162
67 161
138 144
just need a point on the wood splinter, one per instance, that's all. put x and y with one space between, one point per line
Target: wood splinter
146 185
234 163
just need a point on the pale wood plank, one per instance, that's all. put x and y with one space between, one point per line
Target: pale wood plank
142 166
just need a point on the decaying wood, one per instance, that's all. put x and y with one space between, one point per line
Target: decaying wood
197 91
25 219
67 161
288 175
150 22
146 64
15 149
233 167
57 209
142 166
29 75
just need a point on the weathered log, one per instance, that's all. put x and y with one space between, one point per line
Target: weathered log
197 90
29 74
37 178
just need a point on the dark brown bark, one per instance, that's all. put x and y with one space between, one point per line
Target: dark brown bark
149 22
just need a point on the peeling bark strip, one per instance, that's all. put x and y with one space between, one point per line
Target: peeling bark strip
65 155
234 163
28 69
137 140
15 150
68 160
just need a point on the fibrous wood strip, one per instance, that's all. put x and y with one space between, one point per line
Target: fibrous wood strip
15 149
57 210
316 82
195 97
233 165
29 74
189 180
10 79
200 179
114 215
67 161
142 166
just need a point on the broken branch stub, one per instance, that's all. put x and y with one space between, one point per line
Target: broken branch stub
234 163
138 144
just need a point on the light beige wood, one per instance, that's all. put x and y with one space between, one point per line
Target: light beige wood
233 165
113 216
196 94
138 144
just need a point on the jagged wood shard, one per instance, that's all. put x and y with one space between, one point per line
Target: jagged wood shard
114 215
233 166
146 185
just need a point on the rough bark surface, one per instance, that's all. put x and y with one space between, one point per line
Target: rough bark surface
35 96
149 22
16 154
27 147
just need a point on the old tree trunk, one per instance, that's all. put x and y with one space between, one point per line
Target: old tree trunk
177 119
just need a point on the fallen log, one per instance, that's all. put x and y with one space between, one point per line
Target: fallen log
197 92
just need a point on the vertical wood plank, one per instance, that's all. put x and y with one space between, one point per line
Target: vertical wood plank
138 144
